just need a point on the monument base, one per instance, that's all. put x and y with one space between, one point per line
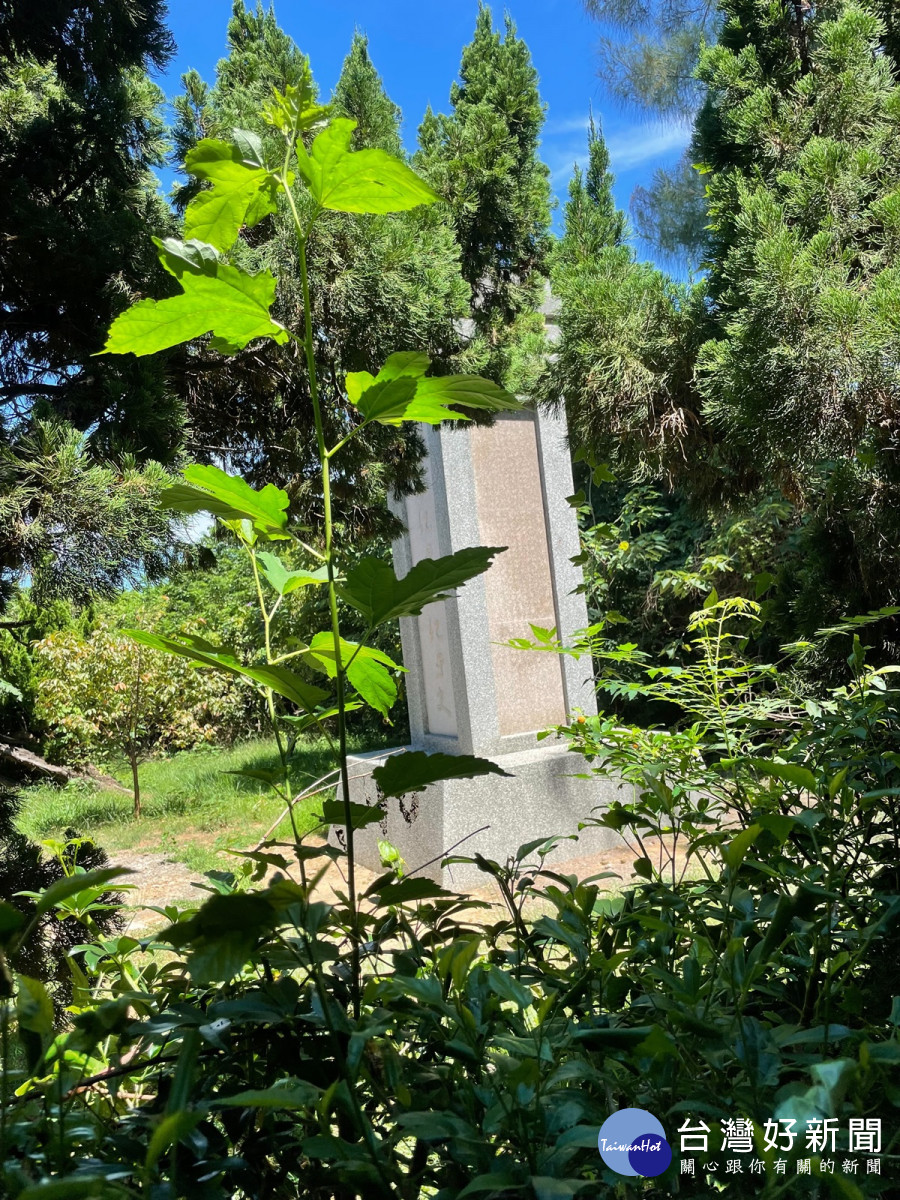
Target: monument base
489 815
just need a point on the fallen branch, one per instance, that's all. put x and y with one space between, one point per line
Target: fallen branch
34 763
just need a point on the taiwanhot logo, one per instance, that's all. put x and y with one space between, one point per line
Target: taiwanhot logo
633 1142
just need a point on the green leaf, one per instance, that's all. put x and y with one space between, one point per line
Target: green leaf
508 988
217 298
374 590
399 392
287 1093
223 934
298 724
504 1182
293 110
414 770
243 190
470 391
282 681
786 772
366 672
362 181
212 490
643 867
71 885
334 813
408 889
34 1008
736 850
284 581
170 1131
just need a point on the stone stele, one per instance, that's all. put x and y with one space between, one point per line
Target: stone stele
468 693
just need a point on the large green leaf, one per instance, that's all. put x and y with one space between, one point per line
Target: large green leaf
7 689
374 590
400 392
334 812
361 181
471 391
71 885
284 581
792 773
281 680
212 490
170 1131
736 850
217 298
223 933
294 110
34 1008
366 672
243 190
411 888
414 770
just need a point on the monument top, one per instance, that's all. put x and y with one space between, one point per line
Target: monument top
503 485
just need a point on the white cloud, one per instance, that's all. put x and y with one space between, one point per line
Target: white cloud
566 125
640 143
629 146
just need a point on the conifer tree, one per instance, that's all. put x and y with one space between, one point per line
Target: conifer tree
649 51
483 159
800 135
648 58
622 364
360 94
80 128
381 284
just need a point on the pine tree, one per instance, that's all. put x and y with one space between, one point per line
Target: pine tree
483 159
622 364
800 135
360 94
648 58
80 128
649 51
379 284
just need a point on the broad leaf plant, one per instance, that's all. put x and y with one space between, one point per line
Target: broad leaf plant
221 299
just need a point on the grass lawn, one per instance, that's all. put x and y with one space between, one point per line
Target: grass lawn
192 808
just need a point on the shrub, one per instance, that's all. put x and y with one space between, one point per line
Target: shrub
104 695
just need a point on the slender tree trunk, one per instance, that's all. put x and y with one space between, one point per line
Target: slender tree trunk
136 783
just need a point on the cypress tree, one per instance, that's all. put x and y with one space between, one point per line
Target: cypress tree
379 284
648 58
360 94
649 51
483 159
623 360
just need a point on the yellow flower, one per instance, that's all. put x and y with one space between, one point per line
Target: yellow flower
623 546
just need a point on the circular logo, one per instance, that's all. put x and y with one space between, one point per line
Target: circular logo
633 1142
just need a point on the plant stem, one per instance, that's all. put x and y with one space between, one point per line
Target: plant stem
325 464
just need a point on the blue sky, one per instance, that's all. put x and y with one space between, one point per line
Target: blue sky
416 48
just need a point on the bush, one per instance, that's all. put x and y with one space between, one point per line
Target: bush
487 1051
26 867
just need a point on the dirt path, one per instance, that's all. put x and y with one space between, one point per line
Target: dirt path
158 882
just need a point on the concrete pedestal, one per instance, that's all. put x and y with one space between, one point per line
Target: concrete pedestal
490 815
